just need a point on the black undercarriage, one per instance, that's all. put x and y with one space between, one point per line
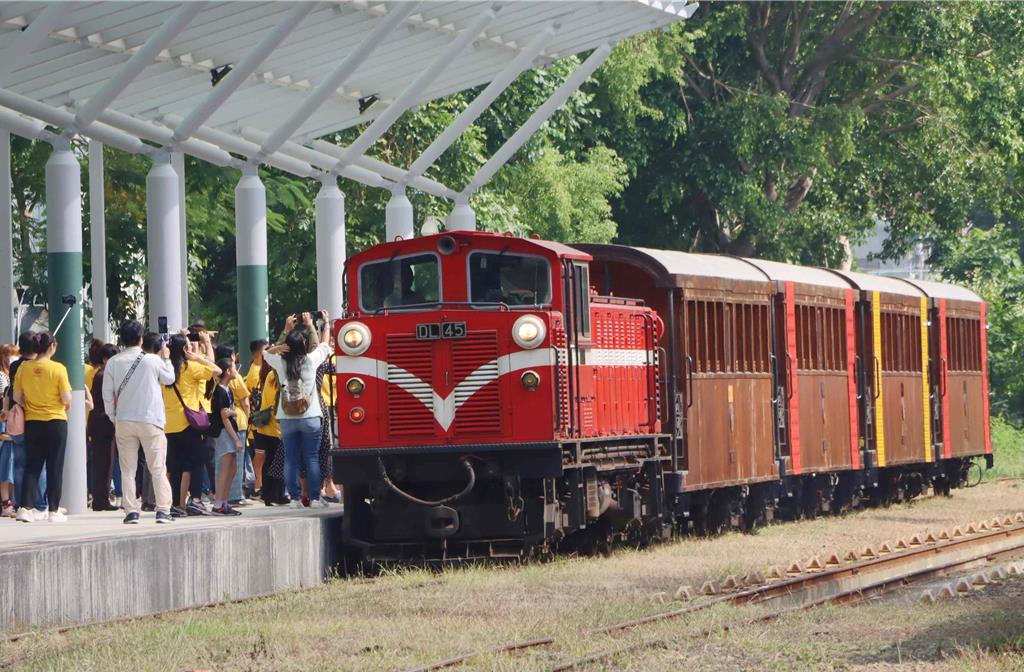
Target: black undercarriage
494 502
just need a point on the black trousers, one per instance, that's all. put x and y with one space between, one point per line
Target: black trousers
102 448
45 443
273 486
186 452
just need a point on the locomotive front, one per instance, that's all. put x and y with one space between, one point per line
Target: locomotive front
448 394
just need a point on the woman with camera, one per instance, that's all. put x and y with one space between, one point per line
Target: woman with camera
193 367
42 388
299 413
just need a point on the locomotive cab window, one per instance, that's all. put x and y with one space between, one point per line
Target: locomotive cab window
511 279
406 282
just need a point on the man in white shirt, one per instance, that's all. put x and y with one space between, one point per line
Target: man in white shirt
134 401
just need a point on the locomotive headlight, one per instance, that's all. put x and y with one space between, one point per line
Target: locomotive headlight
528 331
530 380
355 386
355 338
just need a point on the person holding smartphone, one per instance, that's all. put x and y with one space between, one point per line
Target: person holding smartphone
227 439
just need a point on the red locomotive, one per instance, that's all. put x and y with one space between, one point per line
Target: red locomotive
501 396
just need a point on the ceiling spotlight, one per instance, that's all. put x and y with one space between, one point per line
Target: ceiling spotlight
367 102
217 74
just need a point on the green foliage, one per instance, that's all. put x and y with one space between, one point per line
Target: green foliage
1007 450
785 129
990 263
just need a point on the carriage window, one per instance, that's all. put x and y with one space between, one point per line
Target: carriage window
512 279
401 282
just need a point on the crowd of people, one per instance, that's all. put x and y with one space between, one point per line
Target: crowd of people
173 426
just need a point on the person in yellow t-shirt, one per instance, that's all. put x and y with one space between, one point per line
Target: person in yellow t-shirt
267 438
186 450
44 391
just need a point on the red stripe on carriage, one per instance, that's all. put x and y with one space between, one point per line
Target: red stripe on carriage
984 378
794 399
851 382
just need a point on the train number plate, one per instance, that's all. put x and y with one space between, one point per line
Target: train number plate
433 331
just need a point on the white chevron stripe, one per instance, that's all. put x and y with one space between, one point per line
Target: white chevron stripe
445 408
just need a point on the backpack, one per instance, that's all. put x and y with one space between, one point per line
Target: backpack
294 399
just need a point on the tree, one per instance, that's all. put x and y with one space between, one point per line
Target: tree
783 129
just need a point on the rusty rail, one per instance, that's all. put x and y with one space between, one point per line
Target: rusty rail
831 584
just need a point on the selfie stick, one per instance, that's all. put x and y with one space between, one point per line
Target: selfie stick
70 300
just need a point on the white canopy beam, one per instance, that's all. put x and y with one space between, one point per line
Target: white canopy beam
241 72
138 62
30 38
329 86
473 111
409 95
540 115
63 119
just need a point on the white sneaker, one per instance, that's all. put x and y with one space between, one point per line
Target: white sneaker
116 502
295 504
25 515
319 503
58 516
8 512
41 515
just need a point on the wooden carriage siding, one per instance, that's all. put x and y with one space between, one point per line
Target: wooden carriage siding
886 347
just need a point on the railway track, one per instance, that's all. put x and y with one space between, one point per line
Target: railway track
870 574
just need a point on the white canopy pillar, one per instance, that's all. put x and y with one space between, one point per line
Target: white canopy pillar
162 233
251 260
98 244
330 246
461 218
178 162
8 328
64 279
398 217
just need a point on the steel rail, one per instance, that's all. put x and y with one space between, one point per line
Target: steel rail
804 591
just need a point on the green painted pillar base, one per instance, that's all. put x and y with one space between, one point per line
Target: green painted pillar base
253 309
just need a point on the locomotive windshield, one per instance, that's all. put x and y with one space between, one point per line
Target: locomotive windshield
512 279
400 282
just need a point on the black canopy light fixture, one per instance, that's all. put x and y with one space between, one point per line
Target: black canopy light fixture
217 74
366 102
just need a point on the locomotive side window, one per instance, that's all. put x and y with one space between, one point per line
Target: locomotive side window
581 299
512 279
409 281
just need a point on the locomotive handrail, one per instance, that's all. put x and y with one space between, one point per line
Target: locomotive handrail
652 381
877 378
944 376
500 305
689 381
858 370
789 376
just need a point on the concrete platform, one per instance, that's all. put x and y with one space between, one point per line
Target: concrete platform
93 568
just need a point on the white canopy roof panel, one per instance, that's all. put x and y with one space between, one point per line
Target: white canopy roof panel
89 43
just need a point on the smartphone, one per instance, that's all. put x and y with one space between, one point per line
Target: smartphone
193 336
161 324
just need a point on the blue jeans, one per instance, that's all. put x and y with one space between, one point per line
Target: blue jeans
236 483
301 438
20 460
117 477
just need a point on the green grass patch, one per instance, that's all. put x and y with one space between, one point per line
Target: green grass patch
1007 449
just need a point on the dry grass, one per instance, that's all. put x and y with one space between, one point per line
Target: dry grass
411 617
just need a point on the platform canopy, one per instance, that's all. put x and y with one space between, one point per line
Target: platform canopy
261 80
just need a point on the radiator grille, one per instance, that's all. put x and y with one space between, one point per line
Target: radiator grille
477 396
409 390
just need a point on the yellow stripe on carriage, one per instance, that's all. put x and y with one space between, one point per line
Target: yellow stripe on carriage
876 320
